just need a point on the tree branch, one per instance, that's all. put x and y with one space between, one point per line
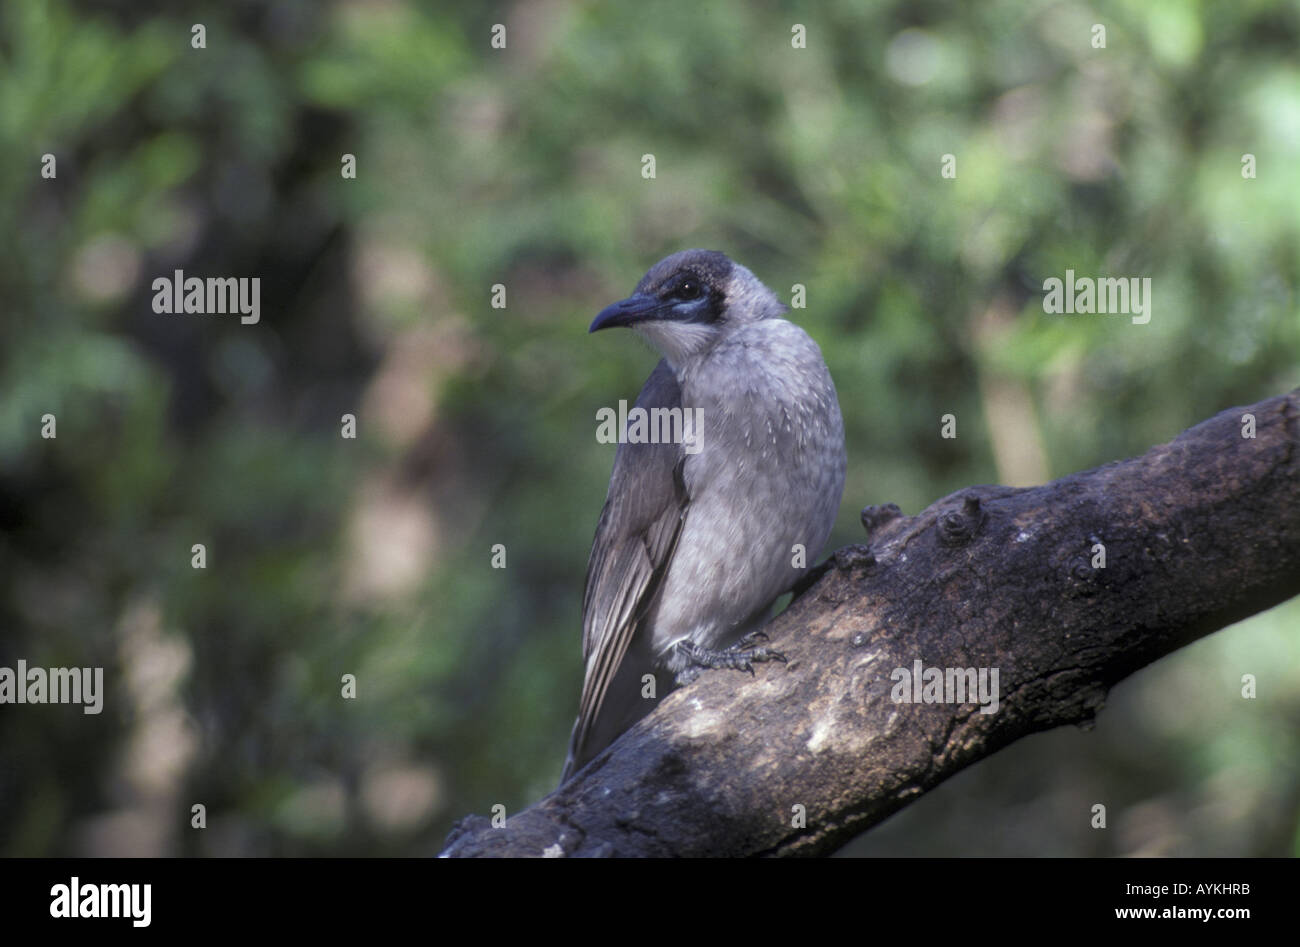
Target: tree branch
1197 534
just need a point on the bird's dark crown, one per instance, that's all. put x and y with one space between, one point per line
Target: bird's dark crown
709 267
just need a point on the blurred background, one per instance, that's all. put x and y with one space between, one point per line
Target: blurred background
522 166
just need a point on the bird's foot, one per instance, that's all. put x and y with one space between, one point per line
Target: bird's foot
740 656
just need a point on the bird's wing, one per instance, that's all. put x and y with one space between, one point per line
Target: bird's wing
635 539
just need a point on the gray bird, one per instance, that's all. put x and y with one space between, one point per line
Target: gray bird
696 541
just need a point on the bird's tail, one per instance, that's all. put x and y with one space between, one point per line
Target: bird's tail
570 758
623 706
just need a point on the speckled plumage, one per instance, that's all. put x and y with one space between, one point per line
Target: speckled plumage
696 547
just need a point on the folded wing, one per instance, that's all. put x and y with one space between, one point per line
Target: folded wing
638 530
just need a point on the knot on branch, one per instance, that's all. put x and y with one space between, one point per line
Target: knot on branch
874 517
854 557
957 527
1083 576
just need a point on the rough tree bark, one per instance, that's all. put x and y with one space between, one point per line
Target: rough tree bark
1198 533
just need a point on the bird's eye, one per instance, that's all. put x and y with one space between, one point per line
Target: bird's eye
688 289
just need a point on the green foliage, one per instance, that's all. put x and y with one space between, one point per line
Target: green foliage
478 166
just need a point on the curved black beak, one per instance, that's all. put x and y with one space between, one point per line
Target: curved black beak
627 311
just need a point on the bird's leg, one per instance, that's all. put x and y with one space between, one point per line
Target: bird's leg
739 656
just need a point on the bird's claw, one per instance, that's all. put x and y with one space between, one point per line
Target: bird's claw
760 655
737 657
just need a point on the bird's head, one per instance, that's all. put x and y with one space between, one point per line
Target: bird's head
690 300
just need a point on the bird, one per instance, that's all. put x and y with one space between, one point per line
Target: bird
696 541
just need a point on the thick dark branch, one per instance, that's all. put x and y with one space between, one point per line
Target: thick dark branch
1197 533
